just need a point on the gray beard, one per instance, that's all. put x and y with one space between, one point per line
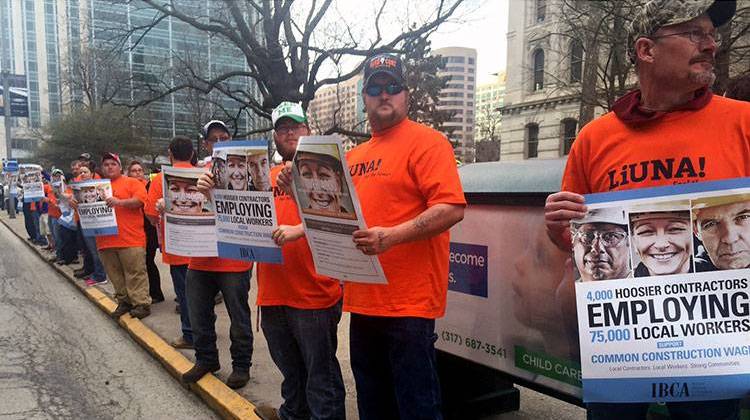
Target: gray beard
703 78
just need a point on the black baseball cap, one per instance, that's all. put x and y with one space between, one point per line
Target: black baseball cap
384 64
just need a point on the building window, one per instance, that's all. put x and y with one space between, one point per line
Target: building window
532 140
471 60
576 60
541 10
538 70
569 129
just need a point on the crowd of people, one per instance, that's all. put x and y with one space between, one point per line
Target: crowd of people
392 326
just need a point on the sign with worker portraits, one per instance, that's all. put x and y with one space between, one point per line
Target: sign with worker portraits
662 292
189 219
330 211
243 200
31 182
97 218
11 174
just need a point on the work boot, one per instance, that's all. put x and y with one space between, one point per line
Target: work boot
140 311
266 412
122 309
238 378
197 372
181 343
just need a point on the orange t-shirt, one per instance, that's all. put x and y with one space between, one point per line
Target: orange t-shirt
130 231
52 208
216 264
399 174
708 144
295 282
156 192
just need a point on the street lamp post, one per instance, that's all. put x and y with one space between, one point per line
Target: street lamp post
8 140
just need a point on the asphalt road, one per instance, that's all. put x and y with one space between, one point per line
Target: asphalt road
62 358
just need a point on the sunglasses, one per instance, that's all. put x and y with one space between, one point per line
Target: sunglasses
391 89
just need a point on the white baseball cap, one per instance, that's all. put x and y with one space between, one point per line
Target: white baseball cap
291 110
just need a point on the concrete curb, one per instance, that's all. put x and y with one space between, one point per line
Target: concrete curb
222 399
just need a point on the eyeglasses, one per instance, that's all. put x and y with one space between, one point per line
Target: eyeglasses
391 89
609 238
288 129
696 36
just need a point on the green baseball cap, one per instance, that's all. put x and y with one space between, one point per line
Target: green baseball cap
658 13
288 110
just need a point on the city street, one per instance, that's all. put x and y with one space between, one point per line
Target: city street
61 357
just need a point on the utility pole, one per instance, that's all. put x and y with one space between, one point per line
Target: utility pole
6 101
8 140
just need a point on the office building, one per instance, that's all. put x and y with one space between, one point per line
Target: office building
47 39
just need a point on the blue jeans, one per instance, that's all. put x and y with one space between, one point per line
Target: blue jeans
393 361
303 343
179 275
202 287
67 246
52 224
88 260
98 274
690 410
31 223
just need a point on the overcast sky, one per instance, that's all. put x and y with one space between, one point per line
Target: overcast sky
484 29
478 24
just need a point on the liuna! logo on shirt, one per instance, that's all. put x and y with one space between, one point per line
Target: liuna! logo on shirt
654 170
364 168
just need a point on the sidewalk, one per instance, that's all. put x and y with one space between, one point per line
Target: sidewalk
163 325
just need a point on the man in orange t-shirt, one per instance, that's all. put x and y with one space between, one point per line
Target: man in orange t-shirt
300 309
181 152
124 255
672 130
206 277
407 182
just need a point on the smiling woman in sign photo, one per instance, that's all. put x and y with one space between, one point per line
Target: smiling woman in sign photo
237 172
662 239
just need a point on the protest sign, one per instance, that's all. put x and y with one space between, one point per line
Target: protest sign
63 203
243 200
330 211
96 217
663 299
189 220
31 181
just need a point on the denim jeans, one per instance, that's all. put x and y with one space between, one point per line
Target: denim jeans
179 275
98 274
202 287
690 410
303 343
154 279
393 361
31 223
55 234
88 259
67 245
